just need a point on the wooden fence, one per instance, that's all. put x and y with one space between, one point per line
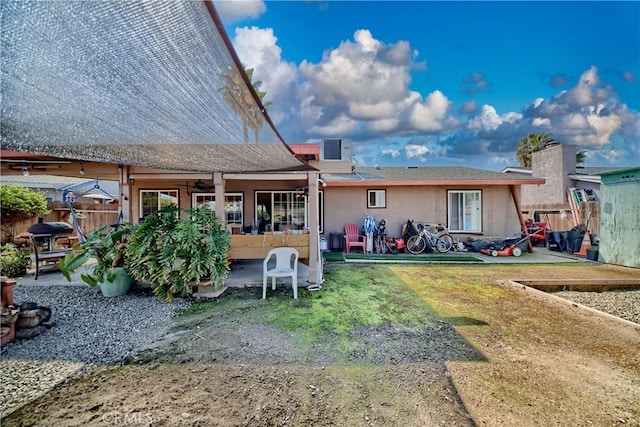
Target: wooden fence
90 216
560 218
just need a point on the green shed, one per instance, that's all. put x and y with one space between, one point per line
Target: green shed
620 217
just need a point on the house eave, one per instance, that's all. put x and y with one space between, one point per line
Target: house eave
434 183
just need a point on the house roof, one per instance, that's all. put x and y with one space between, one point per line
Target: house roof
619 171
154 84
394 176
306 151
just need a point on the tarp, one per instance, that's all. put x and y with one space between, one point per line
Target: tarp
151 84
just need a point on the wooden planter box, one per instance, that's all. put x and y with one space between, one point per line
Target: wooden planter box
247 246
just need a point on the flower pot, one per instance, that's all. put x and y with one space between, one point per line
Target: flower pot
120 284
7 291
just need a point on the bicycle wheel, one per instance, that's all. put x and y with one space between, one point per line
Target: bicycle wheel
416 244
444 243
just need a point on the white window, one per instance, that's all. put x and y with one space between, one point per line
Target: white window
154 200
465 210
280 210
376 199
233 205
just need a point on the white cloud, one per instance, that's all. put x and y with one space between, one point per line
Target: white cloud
429 115
391 152
258 49
419 152
340 126
231 11
355 73
383 125
360 90
488 119
366 111
586 92
588 114
368 81
538 122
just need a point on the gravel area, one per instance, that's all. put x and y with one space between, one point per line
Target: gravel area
89 330
624 304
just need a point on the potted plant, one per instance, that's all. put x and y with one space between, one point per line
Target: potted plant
175 253
107 245
13 261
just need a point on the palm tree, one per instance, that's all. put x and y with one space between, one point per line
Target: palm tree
258 120
235 93
529 145
537 142
241 101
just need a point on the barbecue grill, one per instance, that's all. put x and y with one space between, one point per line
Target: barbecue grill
45 234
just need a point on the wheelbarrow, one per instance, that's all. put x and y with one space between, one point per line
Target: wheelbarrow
510 247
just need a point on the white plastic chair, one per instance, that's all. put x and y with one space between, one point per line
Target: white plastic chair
284 268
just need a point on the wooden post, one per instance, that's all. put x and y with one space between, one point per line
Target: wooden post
523 226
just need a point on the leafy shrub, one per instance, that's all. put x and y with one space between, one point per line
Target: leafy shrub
13 260
20 203
172 253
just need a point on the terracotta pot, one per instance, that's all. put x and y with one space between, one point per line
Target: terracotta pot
7 291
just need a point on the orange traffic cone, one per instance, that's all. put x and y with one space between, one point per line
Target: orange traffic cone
586 244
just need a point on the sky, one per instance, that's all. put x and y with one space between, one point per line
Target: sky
422 83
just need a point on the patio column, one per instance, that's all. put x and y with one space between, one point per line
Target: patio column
315 262
218 182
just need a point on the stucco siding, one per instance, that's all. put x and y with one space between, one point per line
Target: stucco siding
554 164
421 204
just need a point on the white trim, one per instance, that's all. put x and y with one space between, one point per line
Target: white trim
517 170
586 178
462 211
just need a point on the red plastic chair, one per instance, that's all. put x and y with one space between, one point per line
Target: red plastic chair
352 237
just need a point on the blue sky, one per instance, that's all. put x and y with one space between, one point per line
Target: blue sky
447 83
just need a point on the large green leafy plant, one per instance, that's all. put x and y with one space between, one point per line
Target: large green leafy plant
107 245
174 249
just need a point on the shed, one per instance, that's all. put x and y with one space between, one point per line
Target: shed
620 216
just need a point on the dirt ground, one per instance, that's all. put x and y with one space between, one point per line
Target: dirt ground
529 361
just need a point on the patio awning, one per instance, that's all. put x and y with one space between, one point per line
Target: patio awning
154 84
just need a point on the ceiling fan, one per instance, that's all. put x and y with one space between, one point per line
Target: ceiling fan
202 186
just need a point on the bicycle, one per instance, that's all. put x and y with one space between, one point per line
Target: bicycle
441 241
383 243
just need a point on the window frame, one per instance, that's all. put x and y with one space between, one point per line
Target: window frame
164 190
234 222
377 192
292 194
462 212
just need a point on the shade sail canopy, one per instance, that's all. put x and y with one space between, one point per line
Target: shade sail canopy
152 84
